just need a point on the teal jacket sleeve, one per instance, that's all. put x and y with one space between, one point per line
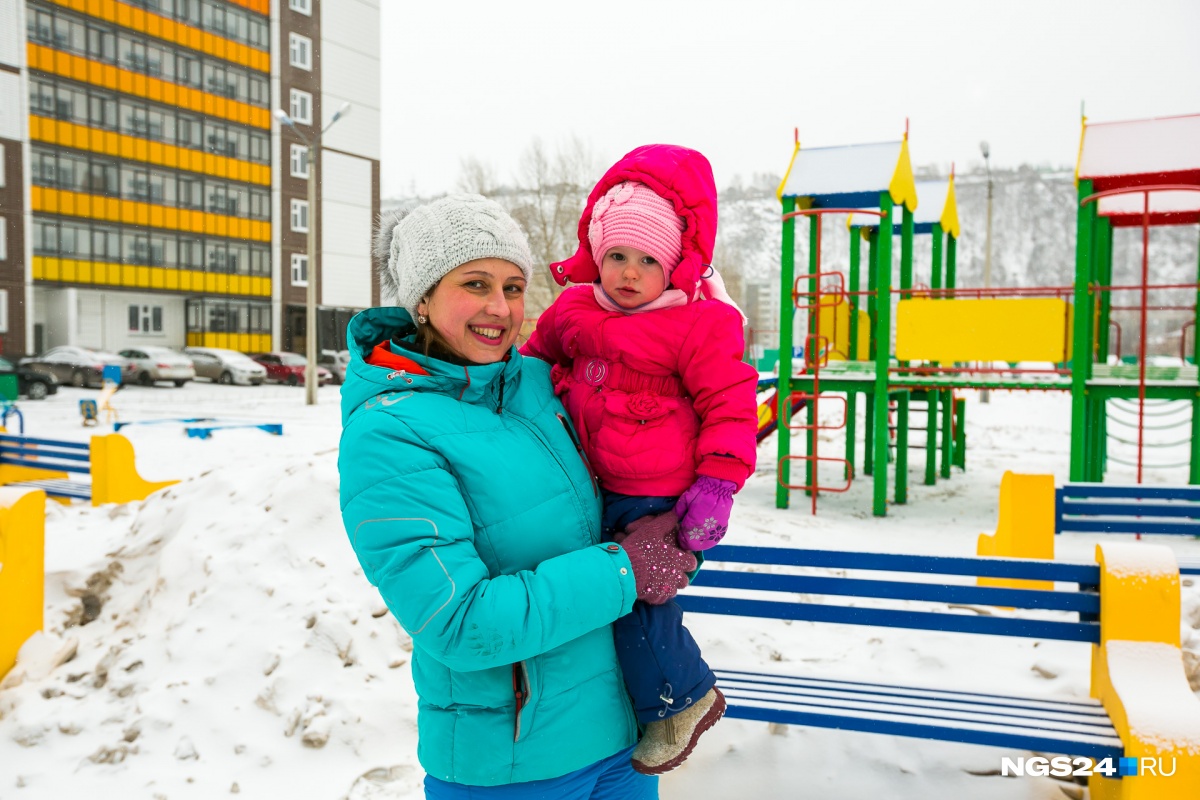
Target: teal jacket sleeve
414 538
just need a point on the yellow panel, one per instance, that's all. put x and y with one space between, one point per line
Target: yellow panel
834 324
23 579
85 272
39 268
1022 329
143 277
68 270
171 279
52 269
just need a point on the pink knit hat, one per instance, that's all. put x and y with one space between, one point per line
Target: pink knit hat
633 215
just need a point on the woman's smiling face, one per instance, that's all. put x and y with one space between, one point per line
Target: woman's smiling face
478 308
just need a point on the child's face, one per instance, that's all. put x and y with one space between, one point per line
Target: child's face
631 277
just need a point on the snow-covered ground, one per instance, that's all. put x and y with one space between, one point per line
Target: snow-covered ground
232 646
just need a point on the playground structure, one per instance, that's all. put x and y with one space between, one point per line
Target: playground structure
1140 173
949 338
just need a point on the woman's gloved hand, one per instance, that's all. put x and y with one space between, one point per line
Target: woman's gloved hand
659 566
703 512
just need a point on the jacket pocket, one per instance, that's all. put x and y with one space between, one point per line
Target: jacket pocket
643 435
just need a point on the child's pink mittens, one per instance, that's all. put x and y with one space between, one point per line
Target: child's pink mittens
703 512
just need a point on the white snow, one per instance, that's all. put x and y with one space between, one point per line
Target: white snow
1130 560
1147 677
239 650
853 168
1167 144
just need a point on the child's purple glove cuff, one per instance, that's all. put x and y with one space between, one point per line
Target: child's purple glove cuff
703 512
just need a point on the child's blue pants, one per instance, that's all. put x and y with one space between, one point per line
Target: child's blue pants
664 671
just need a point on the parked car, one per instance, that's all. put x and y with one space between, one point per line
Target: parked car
226 366
336 362
80 366
156 364
30 382
289 368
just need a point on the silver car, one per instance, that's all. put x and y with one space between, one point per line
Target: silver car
156 364
225 366
336 361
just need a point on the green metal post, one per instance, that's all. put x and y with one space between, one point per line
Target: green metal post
904 399
949 434
812 348
883 339
869 413
960 433
852 396
948 395
1081 345
783 395
951 264
932 395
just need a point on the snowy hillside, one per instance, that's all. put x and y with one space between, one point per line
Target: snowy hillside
225 642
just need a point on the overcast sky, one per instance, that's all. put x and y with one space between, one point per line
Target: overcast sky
479 78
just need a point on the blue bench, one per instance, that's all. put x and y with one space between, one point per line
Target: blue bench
1111 508
49 454
1069 726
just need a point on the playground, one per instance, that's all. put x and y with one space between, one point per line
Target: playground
209 632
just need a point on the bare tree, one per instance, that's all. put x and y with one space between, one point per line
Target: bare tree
477 177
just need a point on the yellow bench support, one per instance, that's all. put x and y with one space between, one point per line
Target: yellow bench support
1025 528
1018 329
115 478
22 569
1137 673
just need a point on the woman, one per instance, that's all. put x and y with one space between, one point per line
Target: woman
470 507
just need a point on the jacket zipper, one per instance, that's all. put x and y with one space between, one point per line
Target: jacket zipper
520 677
582 456
500 403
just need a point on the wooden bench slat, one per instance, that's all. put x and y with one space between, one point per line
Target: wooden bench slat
1191 493
44 452
1008 736
892 618
63 443
1117 525
1131 508
1026 569
1044 718
47 463
1085 602
60 488
1079 705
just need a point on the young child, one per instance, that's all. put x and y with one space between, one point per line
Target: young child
647 360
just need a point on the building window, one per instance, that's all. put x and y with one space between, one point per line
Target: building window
299 270
300 216
299 161
301 110
145 319
3 238
300 51
2 175
302 6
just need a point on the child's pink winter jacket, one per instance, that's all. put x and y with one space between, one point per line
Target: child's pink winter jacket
662 396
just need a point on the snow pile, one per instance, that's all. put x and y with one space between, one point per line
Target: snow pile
1134 561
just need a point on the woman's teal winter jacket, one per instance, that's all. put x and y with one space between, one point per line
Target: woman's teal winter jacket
469 506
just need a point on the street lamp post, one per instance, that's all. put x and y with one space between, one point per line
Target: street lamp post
985 396
310 294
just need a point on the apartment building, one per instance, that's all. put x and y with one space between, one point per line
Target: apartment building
149 194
